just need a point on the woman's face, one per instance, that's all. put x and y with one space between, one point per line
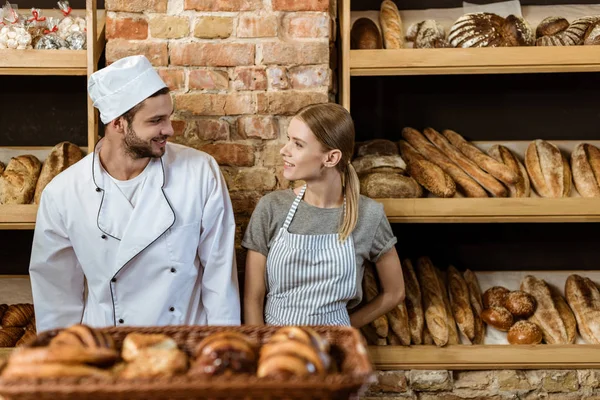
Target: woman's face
303 155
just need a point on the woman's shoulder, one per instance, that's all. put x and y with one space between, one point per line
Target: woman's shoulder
370 207
276 199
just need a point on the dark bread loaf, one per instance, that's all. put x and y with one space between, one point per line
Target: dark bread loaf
365 35
61 157
490 30
573 35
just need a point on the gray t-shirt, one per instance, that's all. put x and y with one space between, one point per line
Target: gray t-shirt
372 236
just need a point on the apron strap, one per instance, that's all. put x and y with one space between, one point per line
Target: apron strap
293 208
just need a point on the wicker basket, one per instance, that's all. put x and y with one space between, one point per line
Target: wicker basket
347 349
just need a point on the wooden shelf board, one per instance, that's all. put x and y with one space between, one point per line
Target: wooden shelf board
485 357
21 216
531 209
475 60
49 62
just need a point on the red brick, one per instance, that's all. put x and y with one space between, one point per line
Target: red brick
212 54
309 77
223 5
287 102
254 126
179 127
174 78
300 5
250 78
208 79
298 53
216 104
126 28
212 129
300 25
256 25
231 154
156 52
277 78
159 6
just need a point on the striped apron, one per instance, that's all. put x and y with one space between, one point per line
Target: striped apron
310 278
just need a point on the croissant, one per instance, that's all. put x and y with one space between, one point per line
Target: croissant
308 356
83 336
28 337
17 315
3 308
10 336
301 335
225 353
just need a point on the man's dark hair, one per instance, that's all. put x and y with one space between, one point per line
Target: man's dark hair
130 114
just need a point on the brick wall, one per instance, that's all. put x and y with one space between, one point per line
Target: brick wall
238 69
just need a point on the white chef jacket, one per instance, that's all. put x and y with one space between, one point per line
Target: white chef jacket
169 261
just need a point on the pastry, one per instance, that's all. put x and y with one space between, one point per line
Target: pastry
17 315
524 332
225 353
52 370
134 343
27 338
64 355
82 336
10 336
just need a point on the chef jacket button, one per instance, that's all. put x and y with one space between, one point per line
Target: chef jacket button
103 236
98 189
173 270
113 280
121 321
172 309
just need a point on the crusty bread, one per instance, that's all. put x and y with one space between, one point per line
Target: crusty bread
426 173
398 324
464 182
433 302
17 182
389 185
550 26
546 314
585 165
592 35
460 303
477 30
428 34
376 147
584 299
61 157
371 290
453 337
522 188
391 25
427 338
476 305
484 179
566 314
573 35
365 35
374 163
413 302
517 31
548 169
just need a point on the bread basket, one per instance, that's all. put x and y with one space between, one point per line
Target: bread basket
347 349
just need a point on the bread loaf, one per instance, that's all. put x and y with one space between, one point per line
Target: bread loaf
517 31
427 34
573 35
498 317
585 165
389 185
522 187
460 303
413 302
520 304
546 315
365 35
495 296
399 325
391 25
548 169
551 26
427 338
484 179
524 332
495 168
426 173
433 302
464 182
592 35
453 337
375 163
371 290
490 30
566 314
584 299
476 305
376 147
17 182
61 157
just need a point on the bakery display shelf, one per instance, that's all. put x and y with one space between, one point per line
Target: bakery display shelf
57 62
501 60
486 357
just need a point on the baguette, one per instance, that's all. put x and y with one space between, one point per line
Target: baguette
398 323
464 182
391 25
427 338
584 299
546 314
548 169
476 305
371 290
522 188
585 164
486 180
453 337
495 168
433 303
460 303
413 301
566 314
426 173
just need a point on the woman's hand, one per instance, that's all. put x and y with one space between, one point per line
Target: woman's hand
391 279
254 288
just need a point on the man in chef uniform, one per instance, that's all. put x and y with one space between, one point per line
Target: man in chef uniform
141 231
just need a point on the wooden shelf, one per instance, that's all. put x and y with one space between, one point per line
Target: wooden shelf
53 62
485 357
21 216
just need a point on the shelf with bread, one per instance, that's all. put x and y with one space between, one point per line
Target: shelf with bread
453 319
535 39
440 177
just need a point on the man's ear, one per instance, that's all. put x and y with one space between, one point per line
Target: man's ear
332 158
119 124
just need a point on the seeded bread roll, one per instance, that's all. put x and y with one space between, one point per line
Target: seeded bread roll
495 296
524 332
520 304
498 317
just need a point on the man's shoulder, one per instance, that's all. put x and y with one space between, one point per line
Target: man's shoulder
74 175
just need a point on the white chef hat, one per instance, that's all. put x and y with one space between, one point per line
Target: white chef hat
122 85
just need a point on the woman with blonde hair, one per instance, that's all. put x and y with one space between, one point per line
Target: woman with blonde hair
307 246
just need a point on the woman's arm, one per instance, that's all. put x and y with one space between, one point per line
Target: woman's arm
254 288
392 290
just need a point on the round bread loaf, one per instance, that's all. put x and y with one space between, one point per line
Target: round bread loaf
365 35
376 147
495 296
551 26
517 31
520 304
524 332
592 35
498 317
389 185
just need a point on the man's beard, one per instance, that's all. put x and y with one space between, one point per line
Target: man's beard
139 148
